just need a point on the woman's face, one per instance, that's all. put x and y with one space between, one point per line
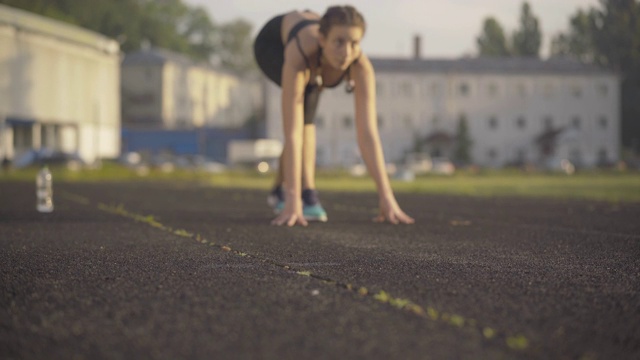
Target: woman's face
341 46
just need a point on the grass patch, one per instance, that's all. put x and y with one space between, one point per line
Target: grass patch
612 186
609 186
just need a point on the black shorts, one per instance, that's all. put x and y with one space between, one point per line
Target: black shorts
269 52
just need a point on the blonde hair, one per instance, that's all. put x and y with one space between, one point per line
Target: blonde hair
341 16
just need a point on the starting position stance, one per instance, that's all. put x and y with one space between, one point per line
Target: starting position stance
303 53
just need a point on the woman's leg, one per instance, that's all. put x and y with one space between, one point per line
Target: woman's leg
280 175
308 160
312 209
309 157
311 99
275 199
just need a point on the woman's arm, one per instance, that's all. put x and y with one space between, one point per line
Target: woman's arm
369 141
294 78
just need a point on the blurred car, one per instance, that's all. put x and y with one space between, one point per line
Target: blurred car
560 165
358 170
418 163
46 156
212 167
442 166
131 159
405 174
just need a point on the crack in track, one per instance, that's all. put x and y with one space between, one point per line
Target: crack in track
512 341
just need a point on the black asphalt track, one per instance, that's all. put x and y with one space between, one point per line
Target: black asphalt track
181 271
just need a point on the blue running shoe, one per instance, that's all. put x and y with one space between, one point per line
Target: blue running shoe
275 199
277 209
314 213
312 210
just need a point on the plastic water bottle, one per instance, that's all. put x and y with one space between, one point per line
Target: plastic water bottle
44 191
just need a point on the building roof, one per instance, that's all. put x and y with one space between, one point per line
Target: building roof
29 22
478 65
486 65
159 56
155 56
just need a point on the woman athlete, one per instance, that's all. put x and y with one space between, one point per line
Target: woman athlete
304 53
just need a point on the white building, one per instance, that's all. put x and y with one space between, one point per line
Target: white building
163 89
516 111
59 88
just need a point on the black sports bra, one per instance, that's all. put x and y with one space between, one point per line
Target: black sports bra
297 27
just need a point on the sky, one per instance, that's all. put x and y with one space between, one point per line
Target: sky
448 28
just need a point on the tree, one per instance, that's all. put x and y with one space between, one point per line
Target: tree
618 44
579 42
43 7
492 41
162 22
168 24
201 34
527 39
235 47
609 36
616 34
462 151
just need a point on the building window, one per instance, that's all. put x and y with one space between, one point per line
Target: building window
408 122
424 119
380 122
576 91
22 137
346 154
521 88
493 123
548 90
435 121
576 122
603 90
575 156
406 89
603 122
347 122
463 89
492 89
521 122
436 89
548 122
379 88
182 122
492 154
423 89
603 157
320 155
